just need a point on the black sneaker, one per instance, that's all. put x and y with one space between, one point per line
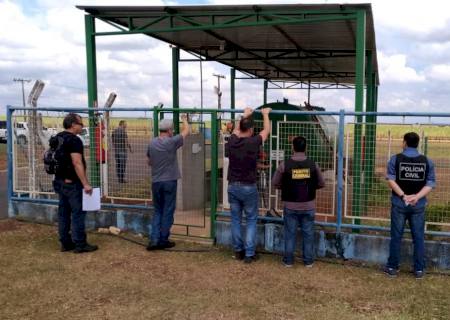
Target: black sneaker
251 259
85 248
167 245
390 272
239 255
67 247
287 263
418 274
153 247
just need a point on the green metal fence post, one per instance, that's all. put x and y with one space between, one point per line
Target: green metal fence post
367 164
359 102
232 90
175 88
89 22
214 172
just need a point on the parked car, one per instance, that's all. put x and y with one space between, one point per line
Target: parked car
3 132
84 136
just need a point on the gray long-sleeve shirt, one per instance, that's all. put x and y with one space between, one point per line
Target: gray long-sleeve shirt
277 182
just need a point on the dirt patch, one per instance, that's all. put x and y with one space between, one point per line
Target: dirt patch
124 281
9 225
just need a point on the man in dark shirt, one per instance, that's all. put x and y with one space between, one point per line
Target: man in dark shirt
121 147
242 149
69 183
298 178
411 177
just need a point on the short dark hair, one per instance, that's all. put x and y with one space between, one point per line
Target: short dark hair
299 144
70 120
246 124
412 139
121 122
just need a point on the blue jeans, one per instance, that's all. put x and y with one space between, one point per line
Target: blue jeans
416 219
164 201
70 213
292 218
243 198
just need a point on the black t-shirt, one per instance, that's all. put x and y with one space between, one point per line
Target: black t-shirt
243 155
71 144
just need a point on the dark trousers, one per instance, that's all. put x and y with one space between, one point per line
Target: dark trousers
292 219
164 202
121 165
415 215
70 213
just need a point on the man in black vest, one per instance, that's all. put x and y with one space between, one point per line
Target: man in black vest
298 178
411 177
70 182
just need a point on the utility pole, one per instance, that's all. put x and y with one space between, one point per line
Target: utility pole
217 89
23 91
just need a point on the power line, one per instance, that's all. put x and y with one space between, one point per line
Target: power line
23 88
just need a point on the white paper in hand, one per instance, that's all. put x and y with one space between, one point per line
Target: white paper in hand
91 202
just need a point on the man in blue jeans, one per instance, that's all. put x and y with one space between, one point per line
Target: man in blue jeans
298 178
162 157
411 177
70 182
242 149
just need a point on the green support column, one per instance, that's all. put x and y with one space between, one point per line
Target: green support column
232 89
214 172
369 146
265 91
94 171
175 88
359 103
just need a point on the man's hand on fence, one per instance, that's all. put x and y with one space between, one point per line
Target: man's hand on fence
247 112
266 110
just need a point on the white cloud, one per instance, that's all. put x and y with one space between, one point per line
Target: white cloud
394 69
440 72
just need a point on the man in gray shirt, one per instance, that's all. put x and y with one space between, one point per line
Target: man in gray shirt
162 157
121 147
298 178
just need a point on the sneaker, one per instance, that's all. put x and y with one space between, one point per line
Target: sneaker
153 247
67 247
239 255
251 259
86 248
167 245
309 265
287 264
390 272
419 274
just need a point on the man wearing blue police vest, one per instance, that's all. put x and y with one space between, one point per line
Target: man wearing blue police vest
411 177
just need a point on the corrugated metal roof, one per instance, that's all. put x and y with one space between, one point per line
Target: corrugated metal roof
317 51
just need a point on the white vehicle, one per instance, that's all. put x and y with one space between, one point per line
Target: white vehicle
3 133
84 136
21 131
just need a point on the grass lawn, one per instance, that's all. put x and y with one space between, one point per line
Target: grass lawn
123 281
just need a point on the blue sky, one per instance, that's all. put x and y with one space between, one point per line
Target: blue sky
44 39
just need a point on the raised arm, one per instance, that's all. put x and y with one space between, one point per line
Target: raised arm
186 128
266 127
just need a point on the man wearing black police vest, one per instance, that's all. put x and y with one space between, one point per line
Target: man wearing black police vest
298 178
411 177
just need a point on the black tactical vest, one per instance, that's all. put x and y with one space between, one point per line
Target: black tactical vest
411 173
299 181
